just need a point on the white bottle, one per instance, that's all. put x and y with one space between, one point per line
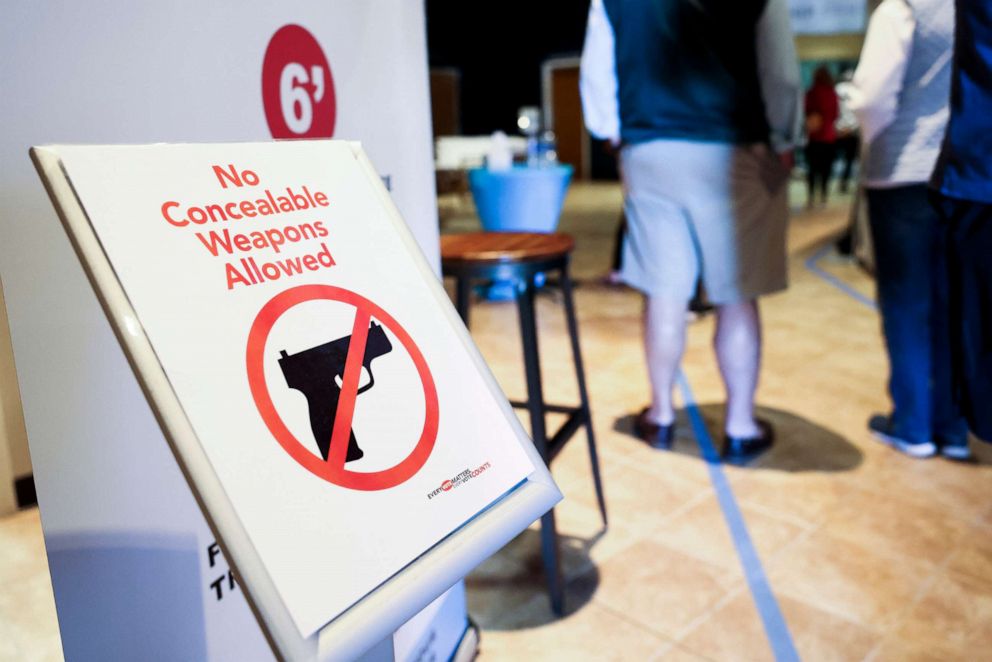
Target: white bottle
500 156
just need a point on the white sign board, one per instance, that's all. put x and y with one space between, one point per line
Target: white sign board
319 391
828 16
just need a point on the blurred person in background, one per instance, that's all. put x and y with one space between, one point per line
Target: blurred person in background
703 96
848 137
822 111
963 183
848 147
900 94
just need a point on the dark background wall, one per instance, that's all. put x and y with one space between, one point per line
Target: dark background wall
499 48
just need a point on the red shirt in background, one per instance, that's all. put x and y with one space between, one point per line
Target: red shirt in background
821 100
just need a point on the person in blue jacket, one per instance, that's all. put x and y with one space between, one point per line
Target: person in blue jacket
963 184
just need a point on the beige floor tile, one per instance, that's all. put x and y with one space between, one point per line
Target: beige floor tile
895 526
733 627
702 532
974 555
955 611
660 588
27 610
583 541
28 624
683 461
896 649
591 545
818 635
514 605
805 498
850 274
22 553
679 654
959 489
854 582
9 650
594 633
509 588
573 465
642 498
504 594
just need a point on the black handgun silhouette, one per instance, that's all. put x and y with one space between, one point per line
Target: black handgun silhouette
315 373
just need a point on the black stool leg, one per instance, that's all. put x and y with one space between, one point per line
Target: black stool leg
580 376
535 406
463 290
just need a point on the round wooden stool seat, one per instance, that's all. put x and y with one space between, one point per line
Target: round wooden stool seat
504 247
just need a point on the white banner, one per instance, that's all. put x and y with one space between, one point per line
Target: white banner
125 72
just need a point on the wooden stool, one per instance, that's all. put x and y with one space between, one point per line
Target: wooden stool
518 257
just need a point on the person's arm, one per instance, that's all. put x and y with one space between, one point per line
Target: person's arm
778 72
598 77
879 77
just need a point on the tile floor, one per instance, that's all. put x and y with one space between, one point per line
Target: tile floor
870 555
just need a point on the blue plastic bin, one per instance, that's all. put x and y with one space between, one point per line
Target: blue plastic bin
520 199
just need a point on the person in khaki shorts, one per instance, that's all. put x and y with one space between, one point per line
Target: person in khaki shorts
703 97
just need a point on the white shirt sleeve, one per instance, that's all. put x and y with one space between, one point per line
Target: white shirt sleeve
879 77
778 73
598 77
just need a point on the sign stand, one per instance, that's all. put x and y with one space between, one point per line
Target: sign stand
85 184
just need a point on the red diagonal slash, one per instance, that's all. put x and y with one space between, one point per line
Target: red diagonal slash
341 434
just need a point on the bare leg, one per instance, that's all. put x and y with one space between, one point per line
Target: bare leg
738 350
664 341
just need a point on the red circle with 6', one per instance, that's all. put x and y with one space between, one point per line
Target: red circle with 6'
331 468
297 86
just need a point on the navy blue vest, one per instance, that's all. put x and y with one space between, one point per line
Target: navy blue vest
964 170
688 69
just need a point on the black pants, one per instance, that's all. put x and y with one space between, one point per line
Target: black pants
970 271
847 150
819 165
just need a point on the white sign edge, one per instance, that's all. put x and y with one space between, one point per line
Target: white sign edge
386 608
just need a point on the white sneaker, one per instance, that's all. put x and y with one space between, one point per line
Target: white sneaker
880 426
959 452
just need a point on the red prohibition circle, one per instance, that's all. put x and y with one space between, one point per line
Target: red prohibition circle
298 93
329 470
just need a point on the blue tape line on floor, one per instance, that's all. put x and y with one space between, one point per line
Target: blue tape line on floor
813 265
776 628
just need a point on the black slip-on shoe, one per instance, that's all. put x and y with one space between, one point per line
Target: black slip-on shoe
746 448
657 436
